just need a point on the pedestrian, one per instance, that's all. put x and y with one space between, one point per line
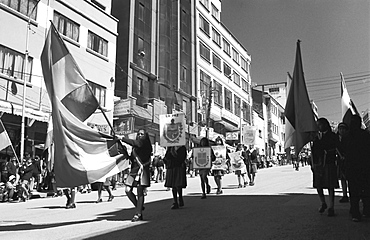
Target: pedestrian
139 176
26 175
343 130
241 168
204 172
324 169
175 160
10 188
219 173
357 168
106 185
252 166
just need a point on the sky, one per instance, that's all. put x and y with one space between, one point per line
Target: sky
335 38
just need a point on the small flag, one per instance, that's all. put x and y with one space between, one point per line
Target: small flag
4 137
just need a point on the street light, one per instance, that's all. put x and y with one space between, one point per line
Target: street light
25 65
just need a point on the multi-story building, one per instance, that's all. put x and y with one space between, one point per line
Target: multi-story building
155 63
89 32
223 74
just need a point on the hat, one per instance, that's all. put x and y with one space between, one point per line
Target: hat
11 177
343 125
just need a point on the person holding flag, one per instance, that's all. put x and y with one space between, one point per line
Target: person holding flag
139 176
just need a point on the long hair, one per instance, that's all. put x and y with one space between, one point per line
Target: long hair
145 138
325 123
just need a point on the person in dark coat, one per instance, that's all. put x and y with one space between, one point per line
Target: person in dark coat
357 168
175 161
324 167
139 175
26 175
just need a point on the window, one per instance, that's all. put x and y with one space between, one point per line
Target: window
99 92
205 3
140 44
215 12
227 70
203 25
184 18
245 85
205 80
236 78
228 99
244 64
274 90
184 45
183 73
26 7
226 47
217 92
235 56
216 37
237 105
141 12
246 111
97 44
216 61
11 63
66 26
205 52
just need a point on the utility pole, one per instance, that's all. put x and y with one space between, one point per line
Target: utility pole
208 113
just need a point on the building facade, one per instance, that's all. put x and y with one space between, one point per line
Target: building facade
90 34
223 74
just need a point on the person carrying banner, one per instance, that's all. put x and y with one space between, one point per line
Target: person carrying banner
217 174
324 166
342 134
203 173
176 173
139 175
240 172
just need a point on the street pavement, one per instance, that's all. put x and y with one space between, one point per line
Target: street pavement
281 205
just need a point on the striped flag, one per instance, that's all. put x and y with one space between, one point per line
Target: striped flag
298 110
4 137
348 107
81 154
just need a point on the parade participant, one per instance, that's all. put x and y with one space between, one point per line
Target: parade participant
203 173
106 186
176 173
139 176
342 134
241 172
70 194
357 168
217 174
324 164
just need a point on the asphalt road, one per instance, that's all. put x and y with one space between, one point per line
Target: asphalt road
281 205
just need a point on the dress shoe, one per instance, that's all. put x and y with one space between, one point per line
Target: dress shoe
137 217
181 202
203 196
99 201
110 198
70 206
175 206
344 200
323 207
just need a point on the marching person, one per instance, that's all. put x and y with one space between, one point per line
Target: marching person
357 168
342 134
240 173
139 176
176 173
324 164
70 194
106 186
203 173
26 175
253 165
217 174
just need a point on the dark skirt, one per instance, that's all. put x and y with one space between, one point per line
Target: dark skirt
176 177
143 180
325 176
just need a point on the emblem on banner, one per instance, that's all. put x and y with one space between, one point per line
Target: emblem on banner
172 131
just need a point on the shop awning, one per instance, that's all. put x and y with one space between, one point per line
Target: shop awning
16 109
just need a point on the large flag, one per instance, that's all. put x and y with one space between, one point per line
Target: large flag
81 153
348 107
289 130
298 110
4 137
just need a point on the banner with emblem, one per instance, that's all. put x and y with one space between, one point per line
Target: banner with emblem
220 153
236 161
202 158
172 129
249 135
